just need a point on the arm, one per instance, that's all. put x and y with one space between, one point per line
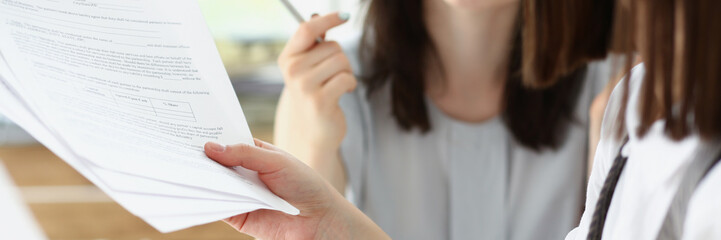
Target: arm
331 168
324 213
309 121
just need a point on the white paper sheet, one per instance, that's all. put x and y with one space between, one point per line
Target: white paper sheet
163 222
127 92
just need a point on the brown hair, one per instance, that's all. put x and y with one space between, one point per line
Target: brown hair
679 42
553 41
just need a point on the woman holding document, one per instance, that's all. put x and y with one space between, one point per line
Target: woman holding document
441 138
655 174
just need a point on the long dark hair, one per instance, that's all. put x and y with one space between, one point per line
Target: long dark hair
547 63
690 69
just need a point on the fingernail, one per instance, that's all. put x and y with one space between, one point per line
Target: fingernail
344 16
314 15
216 147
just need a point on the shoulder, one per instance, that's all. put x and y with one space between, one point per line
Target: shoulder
609 142
615 102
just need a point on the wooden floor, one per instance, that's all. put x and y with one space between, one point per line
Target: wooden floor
67 206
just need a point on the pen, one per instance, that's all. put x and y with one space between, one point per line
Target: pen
293 11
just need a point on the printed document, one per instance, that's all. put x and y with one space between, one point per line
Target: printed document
128 92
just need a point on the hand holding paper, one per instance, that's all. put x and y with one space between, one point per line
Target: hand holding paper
325 214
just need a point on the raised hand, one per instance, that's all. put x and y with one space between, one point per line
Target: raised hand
309 122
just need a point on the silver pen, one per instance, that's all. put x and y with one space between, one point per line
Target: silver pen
293 11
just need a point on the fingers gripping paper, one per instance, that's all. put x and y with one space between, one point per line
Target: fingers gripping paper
127 92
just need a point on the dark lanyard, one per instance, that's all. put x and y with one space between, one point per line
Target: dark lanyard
595 231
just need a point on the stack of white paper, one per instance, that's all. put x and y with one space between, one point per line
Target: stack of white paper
128 92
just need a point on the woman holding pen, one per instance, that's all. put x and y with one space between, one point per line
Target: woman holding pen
657 159
426 122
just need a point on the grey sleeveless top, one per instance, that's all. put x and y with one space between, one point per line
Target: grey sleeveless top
462 180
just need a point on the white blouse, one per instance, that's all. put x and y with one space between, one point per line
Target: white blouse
649 181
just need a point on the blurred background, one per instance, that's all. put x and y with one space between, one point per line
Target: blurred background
249 35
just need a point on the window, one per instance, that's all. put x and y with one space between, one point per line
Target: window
251 33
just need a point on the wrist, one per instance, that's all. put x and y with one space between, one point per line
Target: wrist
345 221
361 226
